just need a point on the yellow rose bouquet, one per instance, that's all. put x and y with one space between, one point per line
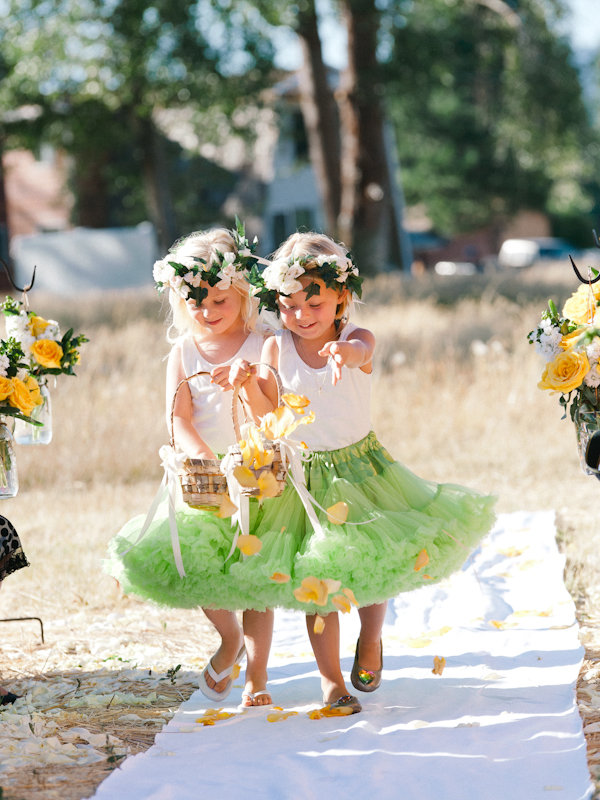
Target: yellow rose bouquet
47 351
569 343
19 389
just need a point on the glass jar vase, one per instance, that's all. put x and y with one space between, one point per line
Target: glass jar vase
9 479
25 433
587 429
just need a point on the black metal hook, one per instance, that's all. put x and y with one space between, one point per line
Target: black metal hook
579 275
25 289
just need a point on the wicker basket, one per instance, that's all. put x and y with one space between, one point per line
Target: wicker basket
276 466
202 482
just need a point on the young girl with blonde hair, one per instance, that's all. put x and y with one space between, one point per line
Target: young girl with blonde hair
213 315
379 524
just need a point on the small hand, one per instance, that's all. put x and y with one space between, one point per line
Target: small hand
335 352
239 372
220 376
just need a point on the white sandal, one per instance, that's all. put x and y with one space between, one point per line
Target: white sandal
217 677
252 695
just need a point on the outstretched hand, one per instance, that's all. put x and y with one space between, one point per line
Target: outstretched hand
338 353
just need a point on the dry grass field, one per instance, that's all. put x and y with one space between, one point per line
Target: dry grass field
455 398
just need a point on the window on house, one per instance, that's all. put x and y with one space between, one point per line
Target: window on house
304 219
280 229
299 136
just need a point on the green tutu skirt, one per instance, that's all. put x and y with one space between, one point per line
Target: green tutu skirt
401 532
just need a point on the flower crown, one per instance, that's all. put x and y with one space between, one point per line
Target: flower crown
280 277
185 274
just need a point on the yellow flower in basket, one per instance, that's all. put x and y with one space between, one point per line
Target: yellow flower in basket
47 353
254 453
566 372
297 402
20 397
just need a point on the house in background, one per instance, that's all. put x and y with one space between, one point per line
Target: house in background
270 183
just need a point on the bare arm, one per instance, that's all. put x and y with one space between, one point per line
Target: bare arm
186 437
257 386
355 353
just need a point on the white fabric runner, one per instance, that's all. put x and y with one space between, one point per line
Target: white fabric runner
500 722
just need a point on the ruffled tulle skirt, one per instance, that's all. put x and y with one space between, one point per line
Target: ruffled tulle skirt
401 532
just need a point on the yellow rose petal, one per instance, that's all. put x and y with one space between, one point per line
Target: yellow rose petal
319 625
342 603
297 402
280 577
350 595
249 544
267 485
439 662
337 514
422 560
245 477
227 508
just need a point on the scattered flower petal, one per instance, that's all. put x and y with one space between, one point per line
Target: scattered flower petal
319 625
280 577
337 514
439 662
422 560
249 544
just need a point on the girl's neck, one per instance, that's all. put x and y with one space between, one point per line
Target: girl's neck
218 348
308 349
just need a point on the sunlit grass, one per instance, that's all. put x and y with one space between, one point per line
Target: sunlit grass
455 399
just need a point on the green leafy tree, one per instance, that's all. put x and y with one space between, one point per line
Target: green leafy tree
489 111
97 72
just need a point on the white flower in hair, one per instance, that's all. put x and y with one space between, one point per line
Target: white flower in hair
193 279
163 272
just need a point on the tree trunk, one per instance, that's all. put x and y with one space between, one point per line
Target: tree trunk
156 184
92 209
320 115
366 212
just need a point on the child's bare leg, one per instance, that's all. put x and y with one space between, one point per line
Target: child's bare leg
326 647
258 633
371 624
232 638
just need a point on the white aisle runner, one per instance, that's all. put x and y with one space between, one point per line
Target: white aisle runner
500 722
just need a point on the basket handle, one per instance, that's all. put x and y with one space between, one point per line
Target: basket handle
236 392
179 385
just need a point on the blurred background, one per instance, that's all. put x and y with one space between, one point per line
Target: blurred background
445 136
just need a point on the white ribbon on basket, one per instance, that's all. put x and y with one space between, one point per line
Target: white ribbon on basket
292 461
171 461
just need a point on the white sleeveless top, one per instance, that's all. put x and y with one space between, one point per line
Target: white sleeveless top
342 412
211 406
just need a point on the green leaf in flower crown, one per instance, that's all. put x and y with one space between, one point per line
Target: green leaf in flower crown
313 288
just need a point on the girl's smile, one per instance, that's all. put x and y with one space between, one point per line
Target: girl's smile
311 317
220 310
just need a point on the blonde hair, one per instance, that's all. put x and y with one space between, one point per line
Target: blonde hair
312 244
205 244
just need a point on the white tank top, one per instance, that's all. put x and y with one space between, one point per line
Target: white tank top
342 412
211 406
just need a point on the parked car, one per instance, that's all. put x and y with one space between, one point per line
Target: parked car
520 253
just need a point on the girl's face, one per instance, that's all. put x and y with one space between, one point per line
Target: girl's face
220 311
313 317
